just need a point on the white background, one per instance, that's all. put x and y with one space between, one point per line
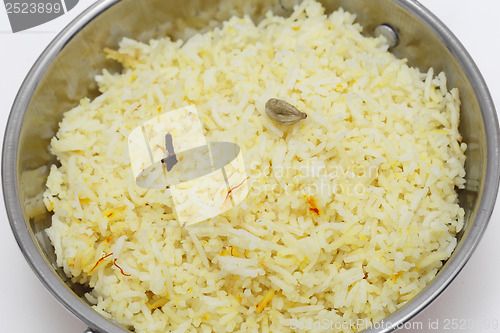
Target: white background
25 305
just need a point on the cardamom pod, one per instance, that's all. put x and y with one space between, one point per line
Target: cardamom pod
283 113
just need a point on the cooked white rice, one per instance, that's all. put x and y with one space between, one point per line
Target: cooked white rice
379 154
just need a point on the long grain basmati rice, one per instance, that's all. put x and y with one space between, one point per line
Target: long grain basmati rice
380 154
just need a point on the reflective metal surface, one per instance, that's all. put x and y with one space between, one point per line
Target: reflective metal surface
64 73
389 33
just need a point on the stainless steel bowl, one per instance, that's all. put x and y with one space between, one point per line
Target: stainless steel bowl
64 73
